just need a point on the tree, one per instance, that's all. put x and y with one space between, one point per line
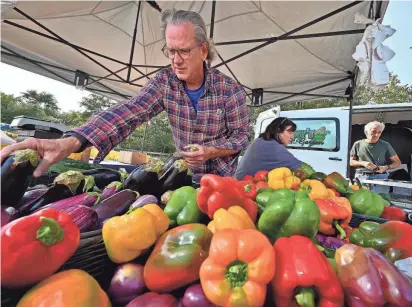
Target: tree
43 99
95 103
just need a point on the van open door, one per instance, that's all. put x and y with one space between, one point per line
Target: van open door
321 137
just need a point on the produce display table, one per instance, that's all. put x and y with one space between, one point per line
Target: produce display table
389 182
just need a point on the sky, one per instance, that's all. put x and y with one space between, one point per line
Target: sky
14 80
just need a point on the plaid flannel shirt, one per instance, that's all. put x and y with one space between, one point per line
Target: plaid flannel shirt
221 120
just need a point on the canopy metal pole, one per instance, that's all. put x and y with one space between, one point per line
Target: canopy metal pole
350 99
212 19
292 37
133 43
144 136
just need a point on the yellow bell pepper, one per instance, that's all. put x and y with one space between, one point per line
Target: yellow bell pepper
282 177
331 194
126 236
315 188
233 218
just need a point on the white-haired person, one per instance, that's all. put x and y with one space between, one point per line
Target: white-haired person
374 157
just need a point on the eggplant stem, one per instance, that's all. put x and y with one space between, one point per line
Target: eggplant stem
340 229
306 297
50 232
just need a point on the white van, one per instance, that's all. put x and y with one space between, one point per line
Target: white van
322 135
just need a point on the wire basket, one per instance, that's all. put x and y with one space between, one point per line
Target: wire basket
90 256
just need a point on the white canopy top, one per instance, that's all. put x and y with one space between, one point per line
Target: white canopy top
56 38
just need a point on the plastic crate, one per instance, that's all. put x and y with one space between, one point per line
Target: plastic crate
357 219
91 257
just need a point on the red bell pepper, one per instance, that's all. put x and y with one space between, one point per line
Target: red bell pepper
370 280
176 259
301 269
223 192
261 185
251 191
261 176
393 213
248 178
34 247
335 214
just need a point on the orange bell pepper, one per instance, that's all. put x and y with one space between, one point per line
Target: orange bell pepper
66 289
233 218
315 188
282 177
335 214
240 265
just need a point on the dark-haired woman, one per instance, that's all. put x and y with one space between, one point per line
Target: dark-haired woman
269 151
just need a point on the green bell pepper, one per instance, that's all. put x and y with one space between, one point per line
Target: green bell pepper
337 182
367 202
304 171
287 213
182 207
318 176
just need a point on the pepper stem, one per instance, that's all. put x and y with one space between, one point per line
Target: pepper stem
306 297
236 273
50 232
340 229
248 188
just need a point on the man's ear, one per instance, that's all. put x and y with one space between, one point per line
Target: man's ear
204 51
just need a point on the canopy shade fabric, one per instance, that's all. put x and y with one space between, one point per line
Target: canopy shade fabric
301 47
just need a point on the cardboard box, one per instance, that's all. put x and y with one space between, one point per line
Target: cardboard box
132 157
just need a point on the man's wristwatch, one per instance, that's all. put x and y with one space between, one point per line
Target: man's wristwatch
83 141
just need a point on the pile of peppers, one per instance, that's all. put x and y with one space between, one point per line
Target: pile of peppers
282 231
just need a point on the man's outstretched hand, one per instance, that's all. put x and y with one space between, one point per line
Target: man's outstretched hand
51 151
196 155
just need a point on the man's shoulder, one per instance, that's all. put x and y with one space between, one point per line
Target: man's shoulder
384 143
358 143
221 80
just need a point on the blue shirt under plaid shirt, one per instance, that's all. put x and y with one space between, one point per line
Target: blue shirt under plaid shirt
221 120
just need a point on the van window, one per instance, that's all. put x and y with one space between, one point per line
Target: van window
320 134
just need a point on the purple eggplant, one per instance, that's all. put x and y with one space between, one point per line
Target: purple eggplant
143 200
30 196
127 283
117 204
175 177
103 176
329 242
85 199
145 179
65 185
84 217
112 189
16 173
152 299
195 297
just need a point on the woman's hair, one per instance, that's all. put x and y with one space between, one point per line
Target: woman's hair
276 127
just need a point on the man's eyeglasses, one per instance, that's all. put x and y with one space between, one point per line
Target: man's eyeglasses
183 53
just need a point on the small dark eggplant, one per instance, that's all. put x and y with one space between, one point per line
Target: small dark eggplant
103 176
112 189
16 173
30 196
117 204
145 179
143 200
65 185
175 177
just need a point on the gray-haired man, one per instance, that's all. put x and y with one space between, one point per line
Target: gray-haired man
204 107
373 155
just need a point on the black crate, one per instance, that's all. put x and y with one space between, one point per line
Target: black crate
357 219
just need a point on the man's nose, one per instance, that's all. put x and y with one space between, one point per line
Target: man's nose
177 59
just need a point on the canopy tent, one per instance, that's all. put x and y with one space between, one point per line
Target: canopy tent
278 51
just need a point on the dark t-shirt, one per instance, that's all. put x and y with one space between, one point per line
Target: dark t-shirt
265 155
378 153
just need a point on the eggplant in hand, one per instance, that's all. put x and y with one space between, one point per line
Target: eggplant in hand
64 186
145 179
175 177
16 173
